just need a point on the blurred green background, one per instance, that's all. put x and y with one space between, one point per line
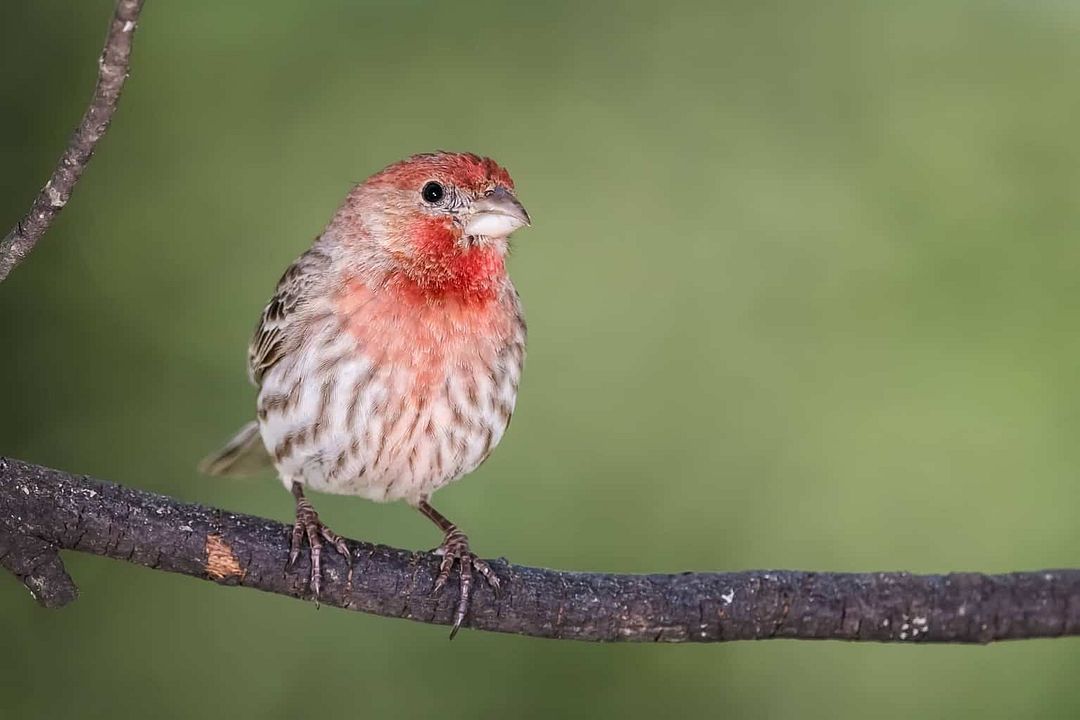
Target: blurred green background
802 290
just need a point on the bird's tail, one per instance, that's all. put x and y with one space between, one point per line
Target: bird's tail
244 455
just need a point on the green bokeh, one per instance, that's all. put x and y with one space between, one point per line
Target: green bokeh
802 291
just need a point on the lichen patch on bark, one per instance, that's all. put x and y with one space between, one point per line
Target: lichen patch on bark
221 562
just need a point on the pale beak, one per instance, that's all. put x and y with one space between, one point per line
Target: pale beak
495 215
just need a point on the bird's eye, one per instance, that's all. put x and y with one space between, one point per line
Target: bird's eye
432 192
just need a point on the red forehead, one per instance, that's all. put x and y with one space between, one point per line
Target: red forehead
462 169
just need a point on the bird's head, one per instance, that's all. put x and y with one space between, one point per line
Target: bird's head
439 220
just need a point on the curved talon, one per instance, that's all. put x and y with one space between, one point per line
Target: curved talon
308 525
455 548
489 575
444 570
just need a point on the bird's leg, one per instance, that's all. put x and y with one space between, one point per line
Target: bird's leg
455 547
309 525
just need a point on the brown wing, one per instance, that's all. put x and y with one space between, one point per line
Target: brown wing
293 291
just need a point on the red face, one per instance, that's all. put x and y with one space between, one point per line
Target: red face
442 220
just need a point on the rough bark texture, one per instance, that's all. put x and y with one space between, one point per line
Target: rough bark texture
43 511
112 72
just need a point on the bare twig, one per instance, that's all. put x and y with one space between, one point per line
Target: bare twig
112 72
38 565
43 510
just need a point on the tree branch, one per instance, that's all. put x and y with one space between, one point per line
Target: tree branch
112 72
43 511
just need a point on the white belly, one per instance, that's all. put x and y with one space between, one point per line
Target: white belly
383 433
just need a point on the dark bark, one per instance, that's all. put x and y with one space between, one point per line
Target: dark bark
43 511
112 72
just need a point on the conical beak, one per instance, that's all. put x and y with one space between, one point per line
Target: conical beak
496 214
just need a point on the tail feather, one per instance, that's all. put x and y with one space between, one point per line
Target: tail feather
244 455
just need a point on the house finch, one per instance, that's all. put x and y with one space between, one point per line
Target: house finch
388 359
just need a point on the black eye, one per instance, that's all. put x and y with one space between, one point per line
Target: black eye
432 192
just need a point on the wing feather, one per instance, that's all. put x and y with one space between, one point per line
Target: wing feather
276 326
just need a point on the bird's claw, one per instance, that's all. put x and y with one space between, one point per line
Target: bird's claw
310 526
455 548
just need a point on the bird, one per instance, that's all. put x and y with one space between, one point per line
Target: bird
389 357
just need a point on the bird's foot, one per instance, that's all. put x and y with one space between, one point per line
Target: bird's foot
455 548
310 526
